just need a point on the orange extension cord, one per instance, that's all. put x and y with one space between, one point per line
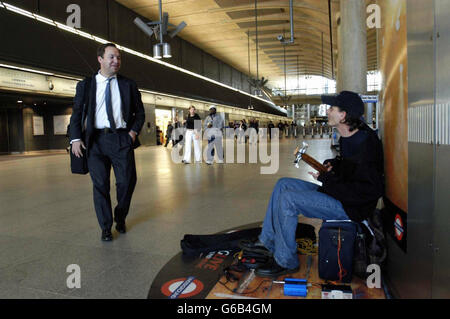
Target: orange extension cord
342 271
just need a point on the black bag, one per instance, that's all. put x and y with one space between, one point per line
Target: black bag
80 165
370 245
336 246
195 245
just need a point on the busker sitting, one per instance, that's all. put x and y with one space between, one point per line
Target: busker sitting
350 188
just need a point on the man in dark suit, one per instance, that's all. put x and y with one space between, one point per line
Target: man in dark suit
107 116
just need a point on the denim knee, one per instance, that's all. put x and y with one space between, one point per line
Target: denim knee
286 207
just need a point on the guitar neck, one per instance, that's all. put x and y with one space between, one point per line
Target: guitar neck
314 163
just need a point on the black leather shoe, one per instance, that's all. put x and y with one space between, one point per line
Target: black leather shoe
106 235
255 246
121 228
272 269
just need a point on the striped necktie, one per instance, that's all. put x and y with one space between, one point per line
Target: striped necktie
108 102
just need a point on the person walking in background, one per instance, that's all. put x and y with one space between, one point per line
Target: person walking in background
280 129
169 136
269 128
214 125
253 134
193 133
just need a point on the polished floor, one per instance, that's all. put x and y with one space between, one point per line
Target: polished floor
47 219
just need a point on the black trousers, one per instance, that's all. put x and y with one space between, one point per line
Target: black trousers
116 150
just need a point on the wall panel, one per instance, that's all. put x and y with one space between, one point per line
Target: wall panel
441 218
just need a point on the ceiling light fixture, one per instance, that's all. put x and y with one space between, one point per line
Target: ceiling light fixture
157 51
166 50
291 13
160 29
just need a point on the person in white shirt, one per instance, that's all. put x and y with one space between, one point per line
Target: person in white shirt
193 134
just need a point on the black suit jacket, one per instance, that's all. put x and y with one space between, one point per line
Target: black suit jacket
82 121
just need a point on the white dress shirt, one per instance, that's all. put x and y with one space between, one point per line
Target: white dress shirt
101 117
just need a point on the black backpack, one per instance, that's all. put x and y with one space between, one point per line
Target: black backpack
370 246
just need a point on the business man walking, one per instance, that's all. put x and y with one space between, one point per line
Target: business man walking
107 116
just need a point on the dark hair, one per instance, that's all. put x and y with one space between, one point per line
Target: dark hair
101 49
352 122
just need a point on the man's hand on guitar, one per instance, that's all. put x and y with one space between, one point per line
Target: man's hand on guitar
316 174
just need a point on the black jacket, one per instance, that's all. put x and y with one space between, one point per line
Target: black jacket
84 105
357 182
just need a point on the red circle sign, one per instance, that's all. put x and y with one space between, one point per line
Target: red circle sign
192 289
398 224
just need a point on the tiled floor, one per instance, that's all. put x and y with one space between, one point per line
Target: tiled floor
47 219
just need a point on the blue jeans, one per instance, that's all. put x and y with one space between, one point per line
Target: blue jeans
290 198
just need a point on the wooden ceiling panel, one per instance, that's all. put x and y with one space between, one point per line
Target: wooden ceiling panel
245 14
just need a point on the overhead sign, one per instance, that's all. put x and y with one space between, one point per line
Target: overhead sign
369 98
38 83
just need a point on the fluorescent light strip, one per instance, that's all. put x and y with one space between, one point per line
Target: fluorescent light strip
45 20
102 41
86 35
18 10
133 52
66 28
24 69
1 5
38 72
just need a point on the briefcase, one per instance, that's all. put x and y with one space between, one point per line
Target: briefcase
79 165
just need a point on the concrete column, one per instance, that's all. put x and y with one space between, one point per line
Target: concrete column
339 54
352 42
174 113
369 113
308 114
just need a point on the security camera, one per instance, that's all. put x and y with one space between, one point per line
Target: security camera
280 38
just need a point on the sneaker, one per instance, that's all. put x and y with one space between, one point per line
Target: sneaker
255 247
273 270
208 162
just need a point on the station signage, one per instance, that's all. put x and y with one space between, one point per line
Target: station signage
369 98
